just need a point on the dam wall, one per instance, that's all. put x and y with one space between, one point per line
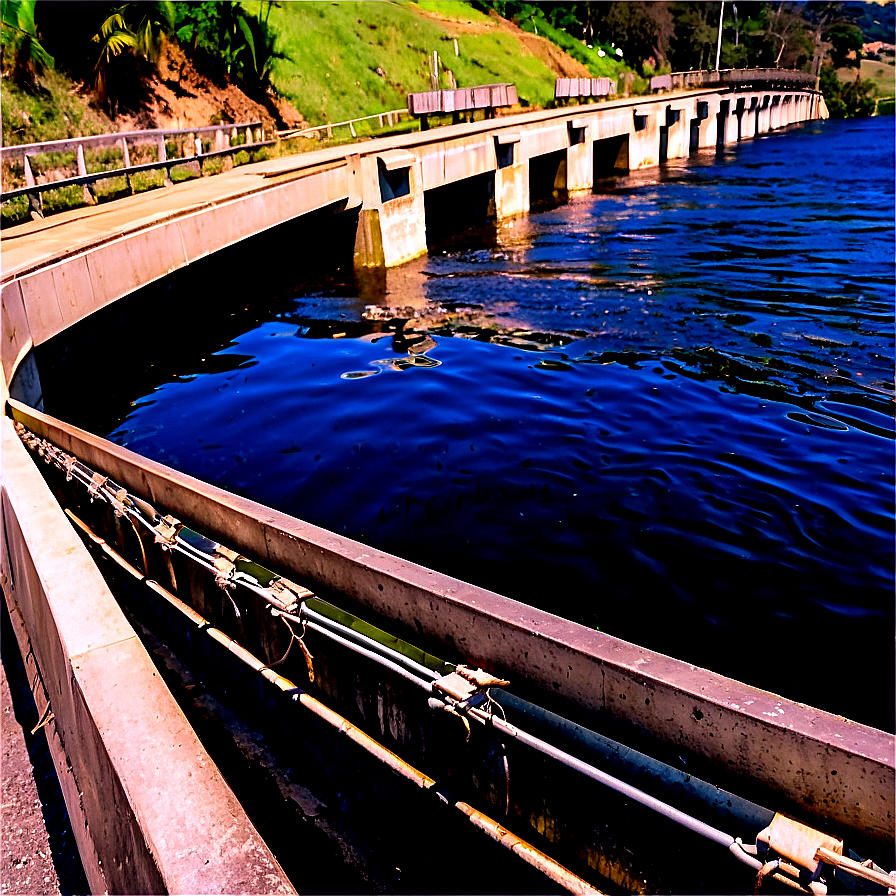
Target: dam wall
93 669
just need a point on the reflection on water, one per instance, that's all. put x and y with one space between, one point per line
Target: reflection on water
665 410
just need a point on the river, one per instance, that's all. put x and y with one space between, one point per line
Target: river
664 410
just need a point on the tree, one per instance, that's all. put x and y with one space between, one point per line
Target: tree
844 38
123 47
785 29
228 41
23 52
852 100
642 30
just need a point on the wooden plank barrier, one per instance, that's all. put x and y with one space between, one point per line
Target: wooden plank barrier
572 88
463 99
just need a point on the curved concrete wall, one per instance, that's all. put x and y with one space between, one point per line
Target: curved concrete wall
121 745
150 812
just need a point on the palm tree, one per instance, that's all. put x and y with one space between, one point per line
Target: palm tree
118 39
21 47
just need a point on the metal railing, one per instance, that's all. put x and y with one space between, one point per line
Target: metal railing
194 144
384 119
735 78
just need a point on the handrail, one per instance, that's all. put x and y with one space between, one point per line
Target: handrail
168 164
301 132
738 76
71 144
33 188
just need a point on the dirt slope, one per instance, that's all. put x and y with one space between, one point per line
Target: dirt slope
563 65
179 96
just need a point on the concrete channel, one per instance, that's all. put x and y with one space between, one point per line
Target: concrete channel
150 810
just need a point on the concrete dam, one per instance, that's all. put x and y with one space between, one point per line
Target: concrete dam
461 720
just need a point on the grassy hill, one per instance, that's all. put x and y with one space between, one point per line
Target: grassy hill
350 59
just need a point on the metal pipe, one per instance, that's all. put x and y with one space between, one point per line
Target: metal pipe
551 869
363 651
639 796
844 863
351 634
492 828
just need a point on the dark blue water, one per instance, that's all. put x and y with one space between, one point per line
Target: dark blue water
665 410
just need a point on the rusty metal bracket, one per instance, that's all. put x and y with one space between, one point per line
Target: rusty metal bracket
798 844
480 678
166 532
455 686
117 501
97 481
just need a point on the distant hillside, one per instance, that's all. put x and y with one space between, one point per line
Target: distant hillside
877 20
350 59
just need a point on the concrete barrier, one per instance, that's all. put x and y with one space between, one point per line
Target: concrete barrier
149 809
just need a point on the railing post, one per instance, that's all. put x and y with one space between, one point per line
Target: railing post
35 200
89 196
163 157
127 163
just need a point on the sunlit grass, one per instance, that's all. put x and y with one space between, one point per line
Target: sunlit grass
347 60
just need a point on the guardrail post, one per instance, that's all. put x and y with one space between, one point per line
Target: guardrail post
35 202
163 157
89 195
127 163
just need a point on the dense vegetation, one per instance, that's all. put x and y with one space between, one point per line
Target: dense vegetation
299 50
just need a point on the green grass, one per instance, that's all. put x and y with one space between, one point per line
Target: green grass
882 74
55 114
15 211
606 66
351 59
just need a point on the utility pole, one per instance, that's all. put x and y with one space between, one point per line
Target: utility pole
719 42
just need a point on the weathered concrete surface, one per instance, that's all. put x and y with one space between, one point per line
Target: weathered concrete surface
150 812
800 759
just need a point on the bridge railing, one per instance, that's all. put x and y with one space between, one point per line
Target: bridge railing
735 78
574 88
56 158
383 119
487 97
